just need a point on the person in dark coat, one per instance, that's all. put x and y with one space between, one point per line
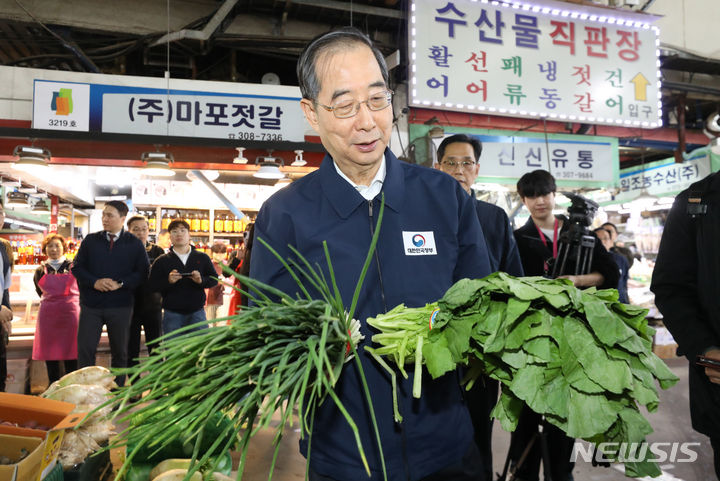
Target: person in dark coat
147 312
538 244
181 276
605 237
686 283
109 266
459 156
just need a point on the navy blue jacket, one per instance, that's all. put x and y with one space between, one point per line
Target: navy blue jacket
504 255
126 263
186 295
322 206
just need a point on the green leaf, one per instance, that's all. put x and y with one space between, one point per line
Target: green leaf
542 348
507 410
607 327
659 369
461 294
438 358
589 414
613 375
521 288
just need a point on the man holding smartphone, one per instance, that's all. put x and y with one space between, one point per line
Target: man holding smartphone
181 276
686 283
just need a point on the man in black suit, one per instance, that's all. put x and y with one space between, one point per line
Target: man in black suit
109 266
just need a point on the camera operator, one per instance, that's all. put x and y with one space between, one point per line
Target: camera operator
538 243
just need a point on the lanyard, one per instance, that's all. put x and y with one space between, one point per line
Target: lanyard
542 237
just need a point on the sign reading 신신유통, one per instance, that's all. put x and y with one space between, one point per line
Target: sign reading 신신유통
530 60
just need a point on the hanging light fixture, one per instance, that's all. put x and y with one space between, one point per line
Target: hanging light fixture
33 160
40 207
299 161
157 164
240 159
17 198
269 168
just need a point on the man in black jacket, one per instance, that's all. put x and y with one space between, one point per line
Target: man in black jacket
459 156
537 241
147 313
109 266
686 283
181 276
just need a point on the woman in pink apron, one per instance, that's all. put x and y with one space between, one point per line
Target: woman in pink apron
57 322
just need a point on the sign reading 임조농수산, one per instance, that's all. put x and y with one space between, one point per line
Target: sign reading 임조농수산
664 177
526 60
173 112
574 160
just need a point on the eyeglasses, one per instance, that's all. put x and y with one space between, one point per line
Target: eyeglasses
349 108
451 164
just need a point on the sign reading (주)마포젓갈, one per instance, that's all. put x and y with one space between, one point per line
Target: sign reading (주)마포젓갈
121 109
524 60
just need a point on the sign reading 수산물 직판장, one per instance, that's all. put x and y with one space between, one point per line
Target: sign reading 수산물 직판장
532 60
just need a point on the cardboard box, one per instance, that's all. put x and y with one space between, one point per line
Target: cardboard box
55 415
664 346
29 467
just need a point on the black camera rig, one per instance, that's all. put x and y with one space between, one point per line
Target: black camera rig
576 243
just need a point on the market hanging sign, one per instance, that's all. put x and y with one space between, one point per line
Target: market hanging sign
664 177
574 160
524 60
173 112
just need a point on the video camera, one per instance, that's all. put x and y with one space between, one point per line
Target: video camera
576 243
582 210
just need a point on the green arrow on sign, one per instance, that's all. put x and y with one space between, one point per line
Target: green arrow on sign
641 84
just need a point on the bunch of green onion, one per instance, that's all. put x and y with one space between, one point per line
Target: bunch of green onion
277 355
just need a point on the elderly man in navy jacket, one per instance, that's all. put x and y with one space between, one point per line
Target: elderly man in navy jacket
347 101
109 266
459 156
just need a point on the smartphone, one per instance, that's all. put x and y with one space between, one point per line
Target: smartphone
707 362
186 274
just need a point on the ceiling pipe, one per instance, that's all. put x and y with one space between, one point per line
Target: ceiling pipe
204 34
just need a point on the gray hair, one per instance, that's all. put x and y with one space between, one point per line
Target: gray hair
336 40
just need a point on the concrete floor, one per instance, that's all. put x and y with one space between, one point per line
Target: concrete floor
671 423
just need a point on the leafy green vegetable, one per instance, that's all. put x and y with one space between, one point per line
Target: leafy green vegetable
579 358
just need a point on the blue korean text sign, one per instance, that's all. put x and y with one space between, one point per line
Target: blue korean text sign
531 60
173 112
574 160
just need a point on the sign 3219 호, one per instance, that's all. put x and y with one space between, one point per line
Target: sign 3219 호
529 60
